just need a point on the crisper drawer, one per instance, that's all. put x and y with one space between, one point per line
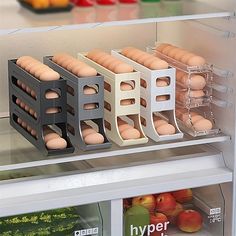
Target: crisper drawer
83 220
198 212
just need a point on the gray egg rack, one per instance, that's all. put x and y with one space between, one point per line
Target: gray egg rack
76 99
39 104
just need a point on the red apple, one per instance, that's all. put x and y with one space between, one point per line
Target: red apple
189 221
183 196
160 222
147 201
172 214
165 202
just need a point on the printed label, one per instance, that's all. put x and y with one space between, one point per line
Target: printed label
215 215
87 232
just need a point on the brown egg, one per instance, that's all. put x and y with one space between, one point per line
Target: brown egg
89 90
51 136
196 82
112 64
30 65
26 62
18 82
56 143
63 59
27 108
22 105
31 111
184 59
126 102
57 57
23 58
18 101
99 56
33 94
120 121
170 52
158 65
49 75
167 49
28 89
196 61
125 86
132 54
179 75
180 54
67 62
29 129
51 95
158 123
161 83
137 55
103 58
203 125
87 131
89 106
173 52
130 134
23 86
186 116
194 119
24 125
94 138
93 53
125 50
143 58
33 132
52 110
73 64
162 46
165 129
125 126
148 61
162 98
19 121
86 71
123 68
40 70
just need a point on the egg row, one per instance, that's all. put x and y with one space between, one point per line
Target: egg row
181 55
37 69
27 127
26 108
193 81
194 119
162 126
160 82
26 88
109 62
53 140
184 95
90 135
74 65
144 58
127 131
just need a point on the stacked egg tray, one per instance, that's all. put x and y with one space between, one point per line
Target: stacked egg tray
113 97
76 99
149 94
39 104
205 71
201 104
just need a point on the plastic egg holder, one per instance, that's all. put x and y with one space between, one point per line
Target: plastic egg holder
205 71
76 99
114 97
40 104
150 92
207 113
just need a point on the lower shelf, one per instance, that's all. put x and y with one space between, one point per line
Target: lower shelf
204 166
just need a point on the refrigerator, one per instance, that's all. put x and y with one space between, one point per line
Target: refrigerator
99 192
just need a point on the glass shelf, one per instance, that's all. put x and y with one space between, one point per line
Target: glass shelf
17 153
15 19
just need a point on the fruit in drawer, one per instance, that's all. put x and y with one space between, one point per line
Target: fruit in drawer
165 202
183 196
160 221
189 221
172 214
147 201
136 220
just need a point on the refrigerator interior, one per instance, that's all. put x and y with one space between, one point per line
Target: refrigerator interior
20 161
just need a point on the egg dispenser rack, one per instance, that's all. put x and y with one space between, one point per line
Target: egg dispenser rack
113 109
150 93
39 104
203 104
76 99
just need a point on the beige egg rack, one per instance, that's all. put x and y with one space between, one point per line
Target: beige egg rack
149 93
113 97
76 100
40 119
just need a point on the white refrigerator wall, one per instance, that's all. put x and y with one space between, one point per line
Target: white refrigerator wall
209 38
49 43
